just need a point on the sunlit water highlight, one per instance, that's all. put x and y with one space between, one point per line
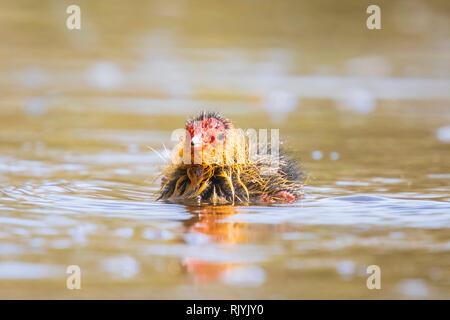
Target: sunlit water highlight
368 117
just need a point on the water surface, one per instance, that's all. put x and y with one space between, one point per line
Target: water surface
367 116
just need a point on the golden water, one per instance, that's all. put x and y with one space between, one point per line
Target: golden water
79 111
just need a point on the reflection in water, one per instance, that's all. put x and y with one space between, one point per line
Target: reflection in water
208 221
367 113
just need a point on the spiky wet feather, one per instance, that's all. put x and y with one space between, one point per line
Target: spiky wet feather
231 183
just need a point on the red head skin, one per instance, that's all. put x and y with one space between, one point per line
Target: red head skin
205 133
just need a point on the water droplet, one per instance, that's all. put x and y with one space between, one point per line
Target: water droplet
317 155
443 134
334 156
345 268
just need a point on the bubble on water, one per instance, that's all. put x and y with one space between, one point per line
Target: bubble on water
358 100
104 75
22 270
345 268
124 232
334 156
415 288
443 134
122 266
244 276
317 155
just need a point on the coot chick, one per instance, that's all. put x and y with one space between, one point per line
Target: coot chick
215 163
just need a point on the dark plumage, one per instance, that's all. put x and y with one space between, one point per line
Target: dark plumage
212 165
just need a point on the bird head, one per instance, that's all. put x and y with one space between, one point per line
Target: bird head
206 135
205 132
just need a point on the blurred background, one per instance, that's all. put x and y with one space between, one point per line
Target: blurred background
367 112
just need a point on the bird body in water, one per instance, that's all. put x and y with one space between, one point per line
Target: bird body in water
215 163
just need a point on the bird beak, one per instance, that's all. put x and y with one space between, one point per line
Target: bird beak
196 141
